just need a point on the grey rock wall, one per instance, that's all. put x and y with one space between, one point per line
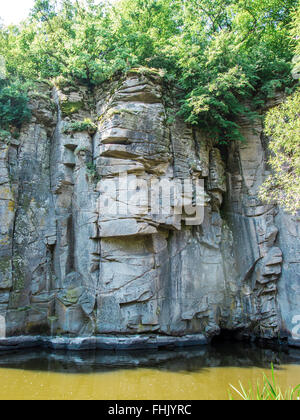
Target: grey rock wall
266 243
70 268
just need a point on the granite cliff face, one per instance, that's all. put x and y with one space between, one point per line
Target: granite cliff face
69 268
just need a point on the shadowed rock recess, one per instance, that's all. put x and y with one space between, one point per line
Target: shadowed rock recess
72 277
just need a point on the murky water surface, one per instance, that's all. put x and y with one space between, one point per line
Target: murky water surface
195 373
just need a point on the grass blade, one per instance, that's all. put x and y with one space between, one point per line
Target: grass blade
270 390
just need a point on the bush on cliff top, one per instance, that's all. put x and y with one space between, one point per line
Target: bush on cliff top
283 126
219 54
13 107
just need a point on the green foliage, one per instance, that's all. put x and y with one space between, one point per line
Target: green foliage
283 126
231 55
79 126
4 135
92 172
223 57
69 108
296 29
14 109
269 391
295 32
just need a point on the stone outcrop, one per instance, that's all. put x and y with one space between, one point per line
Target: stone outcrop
72 267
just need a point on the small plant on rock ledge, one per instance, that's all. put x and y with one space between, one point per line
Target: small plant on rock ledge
4 136
80 126
92 172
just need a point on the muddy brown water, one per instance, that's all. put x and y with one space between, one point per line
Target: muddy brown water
187 374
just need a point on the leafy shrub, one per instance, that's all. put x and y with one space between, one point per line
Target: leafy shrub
80 126
283 127
14 109
217 54
4 135
92 172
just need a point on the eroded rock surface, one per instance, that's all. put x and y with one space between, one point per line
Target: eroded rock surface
69 267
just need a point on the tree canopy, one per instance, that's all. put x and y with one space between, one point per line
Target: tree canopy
282 125
224 57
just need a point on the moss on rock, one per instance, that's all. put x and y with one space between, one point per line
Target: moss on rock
69 108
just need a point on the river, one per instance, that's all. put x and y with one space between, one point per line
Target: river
186 374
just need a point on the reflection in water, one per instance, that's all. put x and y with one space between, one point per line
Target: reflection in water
195 373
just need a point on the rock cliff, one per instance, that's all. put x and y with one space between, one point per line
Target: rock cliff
72 269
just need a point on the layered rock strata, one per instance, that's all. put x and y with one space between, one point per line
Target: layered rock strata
72 266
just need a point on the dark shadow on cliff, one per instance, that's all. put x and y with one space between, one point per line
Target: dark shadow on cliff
222 354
